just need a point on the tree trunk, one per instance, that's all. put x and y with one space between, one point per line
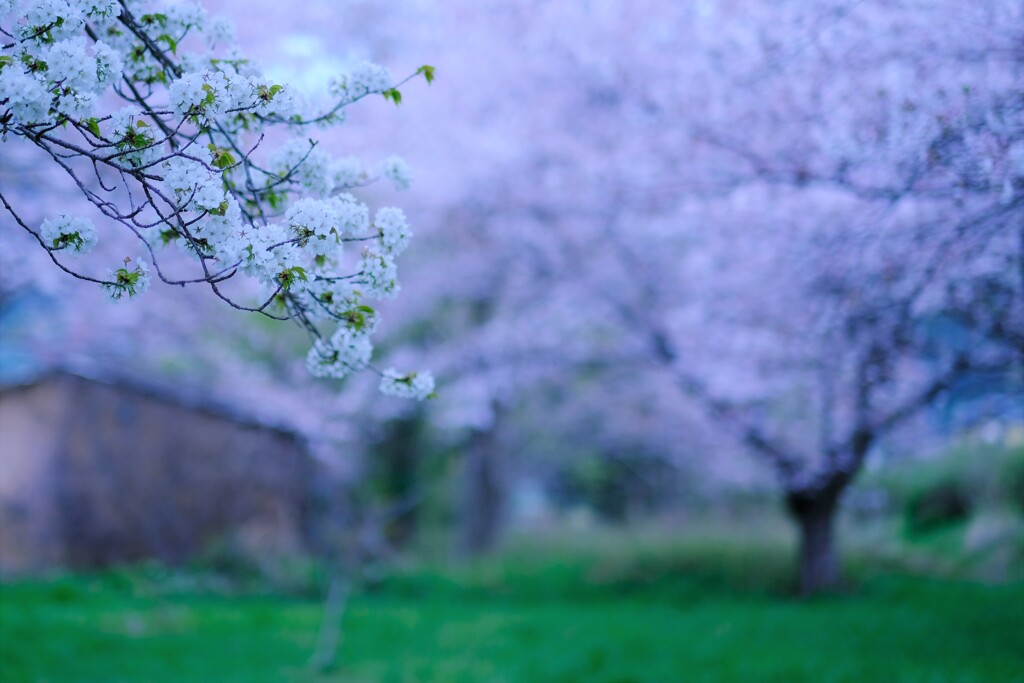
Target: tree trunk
483 495
818 563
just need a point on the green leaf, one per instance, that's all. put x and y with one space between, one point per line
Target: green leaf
221 157
288 276
356 319
156 18
428 73
393 95
139 141
94 126
168 236
211 94
171 42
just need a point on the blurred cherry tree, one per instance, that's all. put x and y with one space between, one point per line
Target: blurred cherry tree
800 222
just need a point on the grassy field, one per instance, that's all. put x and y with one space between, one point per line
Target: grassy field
711 613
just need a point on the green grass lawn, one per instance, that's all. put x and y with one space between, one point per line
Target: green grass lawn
536 619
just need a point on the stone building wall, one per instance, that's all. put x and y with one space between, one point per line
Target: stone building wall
98 473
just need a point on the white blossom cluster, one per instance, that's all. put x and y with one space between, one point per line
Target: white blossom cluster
75 234
185 132
363 79
345 352
379 273
307 165
397 172
134 138
24 96
213 94
130 280
347 173
52 69
194 183
393 230
415 385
